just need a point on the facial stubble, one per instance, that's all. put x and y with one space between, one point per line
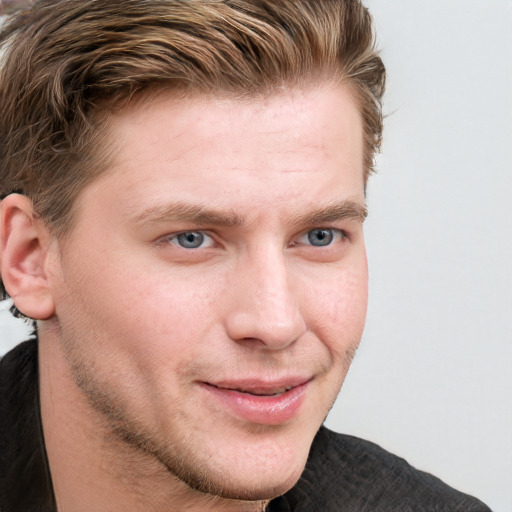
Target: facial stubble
122 433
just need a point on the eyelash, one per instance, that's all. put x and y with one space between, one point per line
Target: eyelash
203 234
338 235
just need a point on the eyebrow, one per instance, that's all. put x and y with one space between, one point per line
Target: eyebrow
350 210
204 215
195 214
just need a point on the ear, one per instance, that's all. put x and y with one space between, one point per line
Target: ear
24 241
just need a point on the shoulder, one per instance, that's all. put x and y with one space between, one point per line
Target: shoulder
347 473
18 375
17 368
25 481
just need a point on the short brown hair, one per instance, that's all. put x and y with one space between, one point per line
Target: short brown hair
66 61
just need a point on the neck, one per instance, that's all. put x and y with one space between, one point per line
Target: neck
92 469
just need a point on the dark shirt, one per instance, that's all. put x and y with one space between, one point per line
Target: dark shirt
343 473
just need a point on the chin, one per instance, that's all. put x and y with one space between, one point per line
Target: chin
248 472
250 489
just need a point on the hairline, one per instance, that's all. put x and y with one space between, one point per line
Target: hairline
106 149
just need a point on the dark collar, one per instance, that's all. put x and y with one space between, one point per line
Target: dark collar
25 480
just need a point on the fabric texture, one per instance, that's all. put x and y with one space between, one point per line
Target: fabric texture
343 473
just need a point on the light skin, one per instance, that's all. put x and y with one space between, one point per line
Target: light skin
219 259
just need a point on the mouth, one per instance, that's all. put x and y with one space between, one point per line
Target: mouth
264 403
257 391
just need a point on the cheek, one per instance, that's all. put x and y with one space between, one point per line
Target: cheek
337 310
132 306
176 303
173 320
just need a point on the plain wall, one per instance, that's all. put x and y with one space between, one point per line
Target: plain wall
432 381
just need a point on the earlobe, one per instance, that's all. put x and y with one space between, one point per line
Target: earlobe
24 242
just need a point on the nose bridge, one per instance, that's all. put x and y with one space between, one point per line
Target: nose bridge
265 305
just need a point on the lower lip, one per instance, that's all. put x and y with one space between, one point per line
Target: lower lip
263 410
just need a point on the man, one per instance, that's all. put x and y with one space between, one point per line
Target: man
183 190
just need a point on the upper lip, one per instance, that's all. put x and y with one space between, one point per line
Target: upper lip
260 386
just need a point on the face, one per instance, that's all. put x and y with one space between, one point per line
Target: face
213 289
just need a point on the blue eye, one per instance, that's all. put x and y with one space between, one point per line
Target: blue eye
323 237
192 240
320 237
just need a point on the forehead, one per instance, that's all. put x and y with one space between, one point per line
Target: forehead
269 151
295 111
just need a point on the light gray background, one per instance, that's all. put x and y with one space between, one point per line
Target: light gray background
432 381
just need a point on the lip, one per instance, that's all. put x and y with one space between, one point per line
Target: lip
256 401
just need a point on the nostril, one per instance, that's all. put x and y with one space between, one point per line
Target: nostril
256 332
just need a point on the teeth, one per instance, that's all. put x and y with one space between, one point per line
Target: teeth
277 392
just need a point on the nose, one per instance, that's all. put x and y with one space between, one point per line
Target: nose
264 307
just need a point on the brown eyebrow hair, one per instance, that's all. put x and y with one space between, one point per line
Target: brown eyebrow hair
351 210
204 215
184 212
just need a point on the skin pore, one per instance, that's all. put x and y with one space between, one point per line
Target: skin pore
206 304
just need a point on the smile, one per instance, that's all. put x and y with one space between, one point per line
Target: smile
258 402
259 392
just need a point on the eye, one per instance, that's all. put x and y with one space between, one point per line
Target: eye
192 240
322 237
